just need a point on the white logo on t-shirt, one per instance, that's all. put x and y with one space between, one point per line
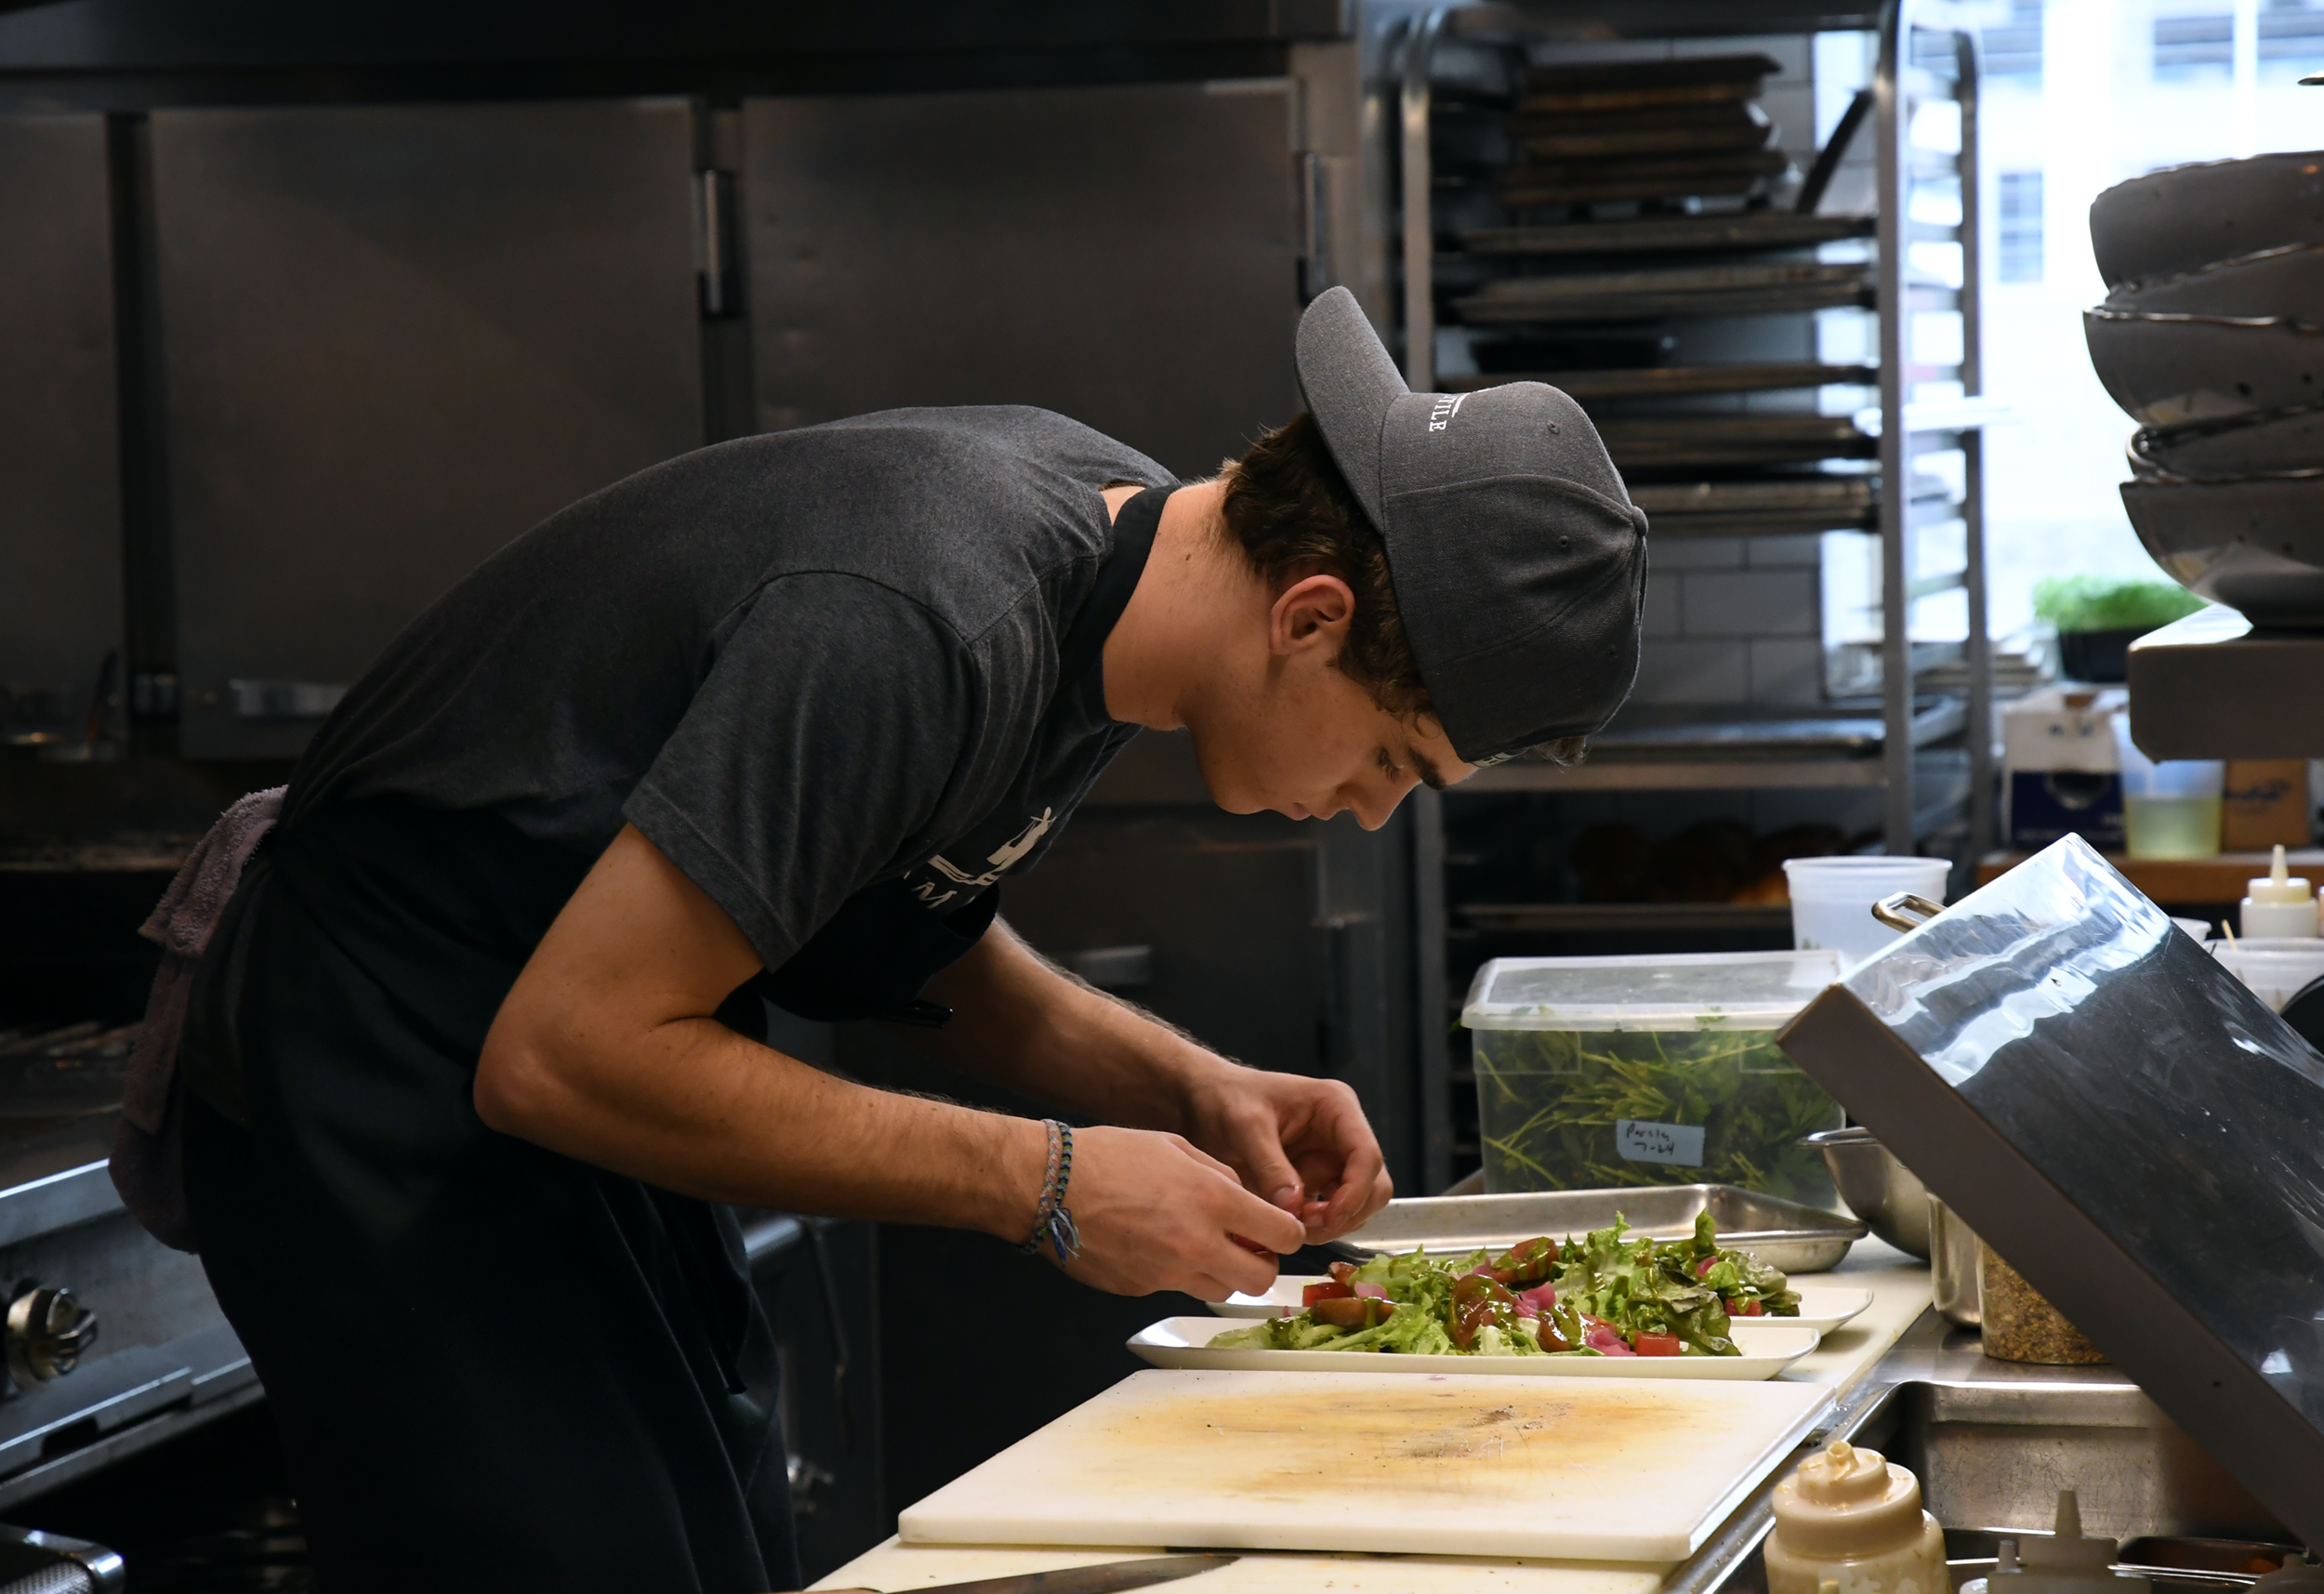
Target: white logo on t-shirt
1447 407
1000 859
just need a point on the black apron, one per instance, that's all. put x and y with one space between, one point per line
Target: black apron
495 1366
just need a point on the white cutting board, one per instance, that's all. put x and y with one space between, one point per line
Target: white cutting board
1453 1464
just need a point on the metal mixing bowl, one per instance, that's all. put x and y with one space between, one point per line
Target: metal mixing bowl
1877 1187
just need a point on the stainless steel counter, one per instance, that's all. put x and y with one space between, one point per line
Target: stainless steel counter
1993 1442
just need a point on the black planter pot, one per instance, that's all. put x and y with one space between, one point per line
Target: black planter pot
2100 657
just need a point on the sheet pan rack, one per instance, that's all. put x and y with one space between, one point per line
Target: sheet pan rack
1555 264
1598 297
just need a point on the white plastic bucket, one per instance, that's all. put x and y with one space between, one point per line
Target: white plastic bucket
1832 898
2274 967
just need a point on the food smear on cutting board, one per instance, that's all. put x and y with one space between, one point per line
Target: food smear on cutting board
1608 1294
1457 1464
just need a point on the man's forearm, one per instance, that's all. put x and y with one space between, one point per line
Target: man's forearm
693 1107
1019 1021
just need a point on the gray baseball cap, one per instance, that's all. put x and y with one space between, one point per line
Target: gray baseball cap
1518 560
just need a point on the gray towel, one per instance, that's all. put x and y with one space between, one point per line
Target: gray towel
147 1160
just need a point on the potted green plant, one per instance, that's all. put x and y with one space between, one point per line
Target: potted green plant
2097 616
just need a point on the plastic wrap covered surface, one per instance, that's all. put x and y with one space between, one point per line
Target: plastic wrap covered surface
2144 1137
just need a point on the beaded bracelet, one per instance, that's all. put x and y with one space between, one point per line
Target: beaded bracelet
1053 1220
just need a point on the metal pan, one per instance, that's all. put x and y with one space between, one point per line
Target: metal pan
2285 281
1781 1233
2256 546
2182 218
2167 369
1756 377
1550 147
1736 230
2289 442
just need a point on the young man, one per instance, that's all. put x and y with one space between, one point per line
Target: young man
776 718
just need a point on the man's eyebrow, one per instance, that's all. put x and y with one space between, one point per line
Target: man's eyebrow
1429 774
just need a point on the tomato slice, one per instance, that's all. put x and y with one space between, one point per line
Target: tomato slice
1650 1343
1334 1291
1353 1311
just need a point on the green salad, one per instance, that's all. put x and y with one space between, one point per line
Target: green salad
1608 1294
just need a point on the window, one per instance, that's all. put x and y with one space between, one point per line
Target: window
2189 49
2021 227
2012 49
2293 34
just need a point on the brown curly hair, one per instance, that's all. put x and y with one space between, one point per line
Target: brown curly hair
1289 510
1291 513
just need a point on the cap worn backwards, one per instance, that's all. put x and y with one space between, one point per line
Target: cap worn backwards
1519 561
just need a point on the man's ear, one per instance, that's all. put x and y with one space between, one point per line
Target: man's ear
1312 611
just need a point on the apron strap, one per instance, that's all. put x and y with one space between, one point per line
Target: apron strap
1079 648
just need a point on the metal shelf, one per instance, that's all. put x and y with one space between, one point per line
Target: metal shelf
1672 381
1916 64
1569 918
1922 786
1682 775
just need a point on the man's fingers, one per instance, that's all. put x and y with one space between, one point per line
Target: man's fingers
1272 1177
1252 1219
1252 1272
1359 1193
1214 1163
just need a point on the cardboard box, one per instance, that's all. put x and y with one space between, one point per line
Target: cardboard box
2061 773
2265 802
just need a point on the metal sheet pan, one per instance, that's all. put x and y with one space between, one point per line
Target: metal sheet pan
1718 233
1653 382
1781 1233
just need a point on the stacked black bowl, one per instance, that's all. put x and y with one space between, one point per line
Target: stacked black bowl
2212 337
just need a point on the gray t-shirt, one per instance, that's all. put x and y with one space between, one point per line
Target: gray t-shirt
800 663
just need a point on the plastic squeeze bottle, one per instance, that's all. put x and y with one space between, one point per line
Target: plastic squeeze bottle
1852 1517
2066 1562
2281 905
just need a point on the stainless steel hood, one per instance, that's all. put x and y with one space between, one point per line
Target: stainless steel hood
2134 1131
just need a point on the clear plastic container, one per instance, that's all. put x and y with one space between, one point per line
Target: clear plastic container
1602 1072
2274 969
1832 898
2171 809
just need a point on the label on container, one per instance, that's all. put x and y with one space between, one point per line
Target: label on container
1676 1145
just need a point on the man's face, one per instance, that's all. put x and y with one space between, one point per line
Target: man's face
1286 730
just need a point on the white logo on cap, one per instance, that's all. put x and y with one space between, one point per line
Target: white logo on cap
1447 407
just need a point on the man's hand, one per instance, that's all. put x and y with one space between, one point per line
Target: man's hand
1155 1214
1299 1144
1303 1144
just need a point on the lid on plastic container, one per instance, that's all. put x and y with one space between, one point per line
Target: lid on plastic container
2112 1109
1844 1503
1680 991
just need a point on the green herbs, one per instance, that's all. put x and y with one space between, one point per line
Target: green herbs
1608 1294
1552 1104
2110 603
1688 1287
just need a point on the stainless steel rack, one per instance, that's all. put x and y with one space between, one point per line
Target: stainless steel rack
1915 751
1920 64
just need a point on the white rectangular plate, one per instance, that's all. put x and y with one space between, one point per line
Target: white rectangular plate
1820 1309
1184 1342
